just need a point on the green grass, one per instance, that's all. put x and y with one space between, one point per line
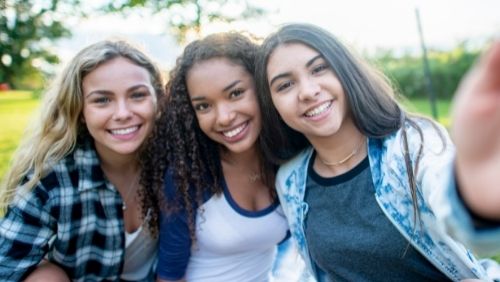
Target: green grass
16 110
423 106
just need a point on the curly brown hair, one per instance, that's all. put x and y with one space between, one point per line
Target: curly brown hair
178 142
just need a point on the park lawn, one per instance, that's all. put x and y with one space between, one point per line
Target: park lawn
16 110
422 106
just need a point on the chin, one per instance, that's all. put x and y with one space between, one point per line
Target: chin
127 150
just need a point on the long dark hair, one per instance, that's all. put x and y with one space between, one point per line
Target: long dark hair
369 95
179 143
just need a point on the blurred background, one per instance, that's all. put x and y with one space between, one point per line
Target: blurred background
424 46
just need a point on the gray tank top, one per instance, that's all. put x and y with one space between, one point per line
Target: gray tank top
350 238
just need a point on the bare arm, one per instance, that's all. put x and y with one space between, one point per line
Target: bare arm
47 271
476 133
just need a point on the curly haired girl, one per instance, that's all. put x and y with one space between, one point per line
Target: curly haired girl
221 221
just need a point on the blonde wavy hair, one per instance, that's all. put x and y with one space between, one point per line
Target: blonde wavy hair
53 135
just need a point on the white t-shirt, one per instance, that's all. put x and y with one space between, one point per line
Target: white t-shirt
232 244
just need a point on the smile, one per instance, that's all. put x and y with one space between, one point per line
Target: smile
233 132
124 131
319 109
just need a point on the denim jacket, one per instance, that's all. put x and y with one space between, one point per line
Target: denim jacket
459 224
392 192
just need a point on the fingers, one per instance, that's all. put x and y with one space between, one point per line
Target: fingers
492 58
488 70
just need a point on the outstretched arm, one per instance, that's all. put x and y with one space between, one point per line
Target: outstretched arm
476 133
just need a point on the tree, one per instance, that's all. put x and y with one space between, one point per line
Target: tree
27 28
188 16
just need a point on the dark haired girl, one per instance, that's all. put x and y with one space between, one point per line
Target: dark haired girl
357 193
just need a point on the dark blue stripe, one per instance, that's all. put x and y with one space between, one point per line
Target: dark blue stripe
245 212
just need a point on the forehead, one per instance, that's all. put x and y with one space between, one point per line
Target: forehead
290 55
117 71
214 74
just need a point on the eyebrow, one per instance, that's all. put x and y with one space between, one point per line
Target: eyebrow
231 85
99 92
228 87
281 75
107 92
285 74
311 61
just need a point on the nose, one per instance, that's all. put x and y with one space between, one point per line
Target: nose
225 115
123 110
309 89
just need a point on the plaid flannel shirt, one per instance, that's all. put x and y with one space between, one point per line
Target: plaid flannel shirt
73 216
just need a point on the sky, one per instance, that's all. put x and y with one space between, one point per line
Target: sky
363 24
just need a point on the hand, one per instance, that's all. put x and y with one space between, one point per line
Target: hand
476 133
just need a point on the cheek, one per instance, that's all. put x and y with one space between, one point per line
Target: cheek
85 113
150 111
281 105
253 104
89 117
203 122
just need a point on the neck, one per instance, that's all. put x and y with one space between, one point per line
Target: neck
120 164
244 168
249 158
123 175
114 162
339 153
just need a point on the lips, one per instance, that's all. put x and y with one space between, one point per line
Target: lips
124 131
235 131
316 111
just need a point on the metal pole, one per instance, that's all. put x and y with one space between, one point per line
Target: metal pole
427 72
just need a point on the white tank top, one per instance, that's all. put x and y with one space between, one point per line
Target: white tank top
140 254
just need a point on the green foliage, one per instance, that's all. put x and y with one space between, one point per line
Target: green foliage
29 27
185 16
446 68
26 29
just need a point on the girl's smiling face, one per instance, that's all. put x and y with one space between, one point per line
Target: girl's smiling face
118 107
306 92
223 96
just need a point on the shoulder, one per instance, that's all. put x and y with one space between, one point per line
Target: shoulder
292 176
431 130
77 171
295 164
420 132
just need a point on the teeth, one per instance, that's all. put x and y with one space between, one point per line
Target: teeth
124 131
235 131
318 110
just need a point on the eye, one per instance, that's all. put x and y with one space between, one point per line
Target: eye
139 95
284 86
102 100
201 107
319 68
236 93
